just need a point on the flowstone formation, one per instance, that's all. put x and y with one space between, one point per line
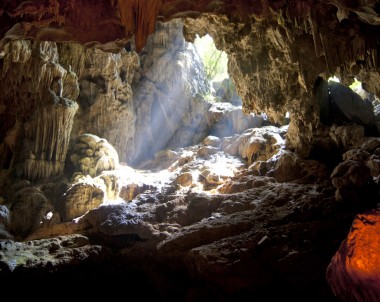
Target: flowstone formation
105 100
38 99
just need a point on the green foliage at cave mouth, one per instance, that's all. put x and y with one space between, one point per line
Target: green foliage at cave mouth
214 60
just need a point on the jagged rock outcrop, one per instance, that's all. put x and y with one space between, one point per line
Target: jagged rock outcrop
226 119
48 254
122 219
256 144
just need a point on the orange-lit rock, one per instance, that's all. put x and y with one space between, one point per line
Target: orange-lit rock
354 271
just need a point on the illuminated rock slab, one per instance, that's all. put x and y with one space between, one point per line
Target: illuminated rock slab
354 271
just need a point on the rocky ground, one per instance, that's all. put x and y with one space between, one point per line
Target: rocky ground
222 220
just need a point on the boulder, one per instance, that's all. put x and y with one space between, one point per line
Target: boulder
121 219
29 209
350 174
185 179
212 141
92 155
347 106
83 196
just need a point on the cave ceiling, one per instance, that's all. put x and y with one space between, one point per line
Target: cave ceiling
114 22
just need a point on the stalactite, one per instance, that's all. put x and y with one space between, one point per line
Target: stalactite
316 37
139 17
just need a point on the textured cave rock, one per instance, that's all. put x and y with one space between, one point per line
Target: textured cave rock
29 210
105 100
207 240
4 222
83 196
349 107
251 240
122 219
226 119
354 178
91 155
48 254
256 144
257 61
38 101
277 49
59 20
167 112
276 60
354 271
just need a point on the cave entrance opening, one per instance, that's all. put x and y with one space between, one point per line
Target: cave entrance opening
222 94
215 62
182 94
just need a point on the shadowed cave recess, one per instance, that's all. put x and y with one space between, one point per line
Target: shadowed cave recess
126 169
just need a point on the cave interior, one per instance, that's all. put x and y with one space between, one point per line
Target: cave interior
130 158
